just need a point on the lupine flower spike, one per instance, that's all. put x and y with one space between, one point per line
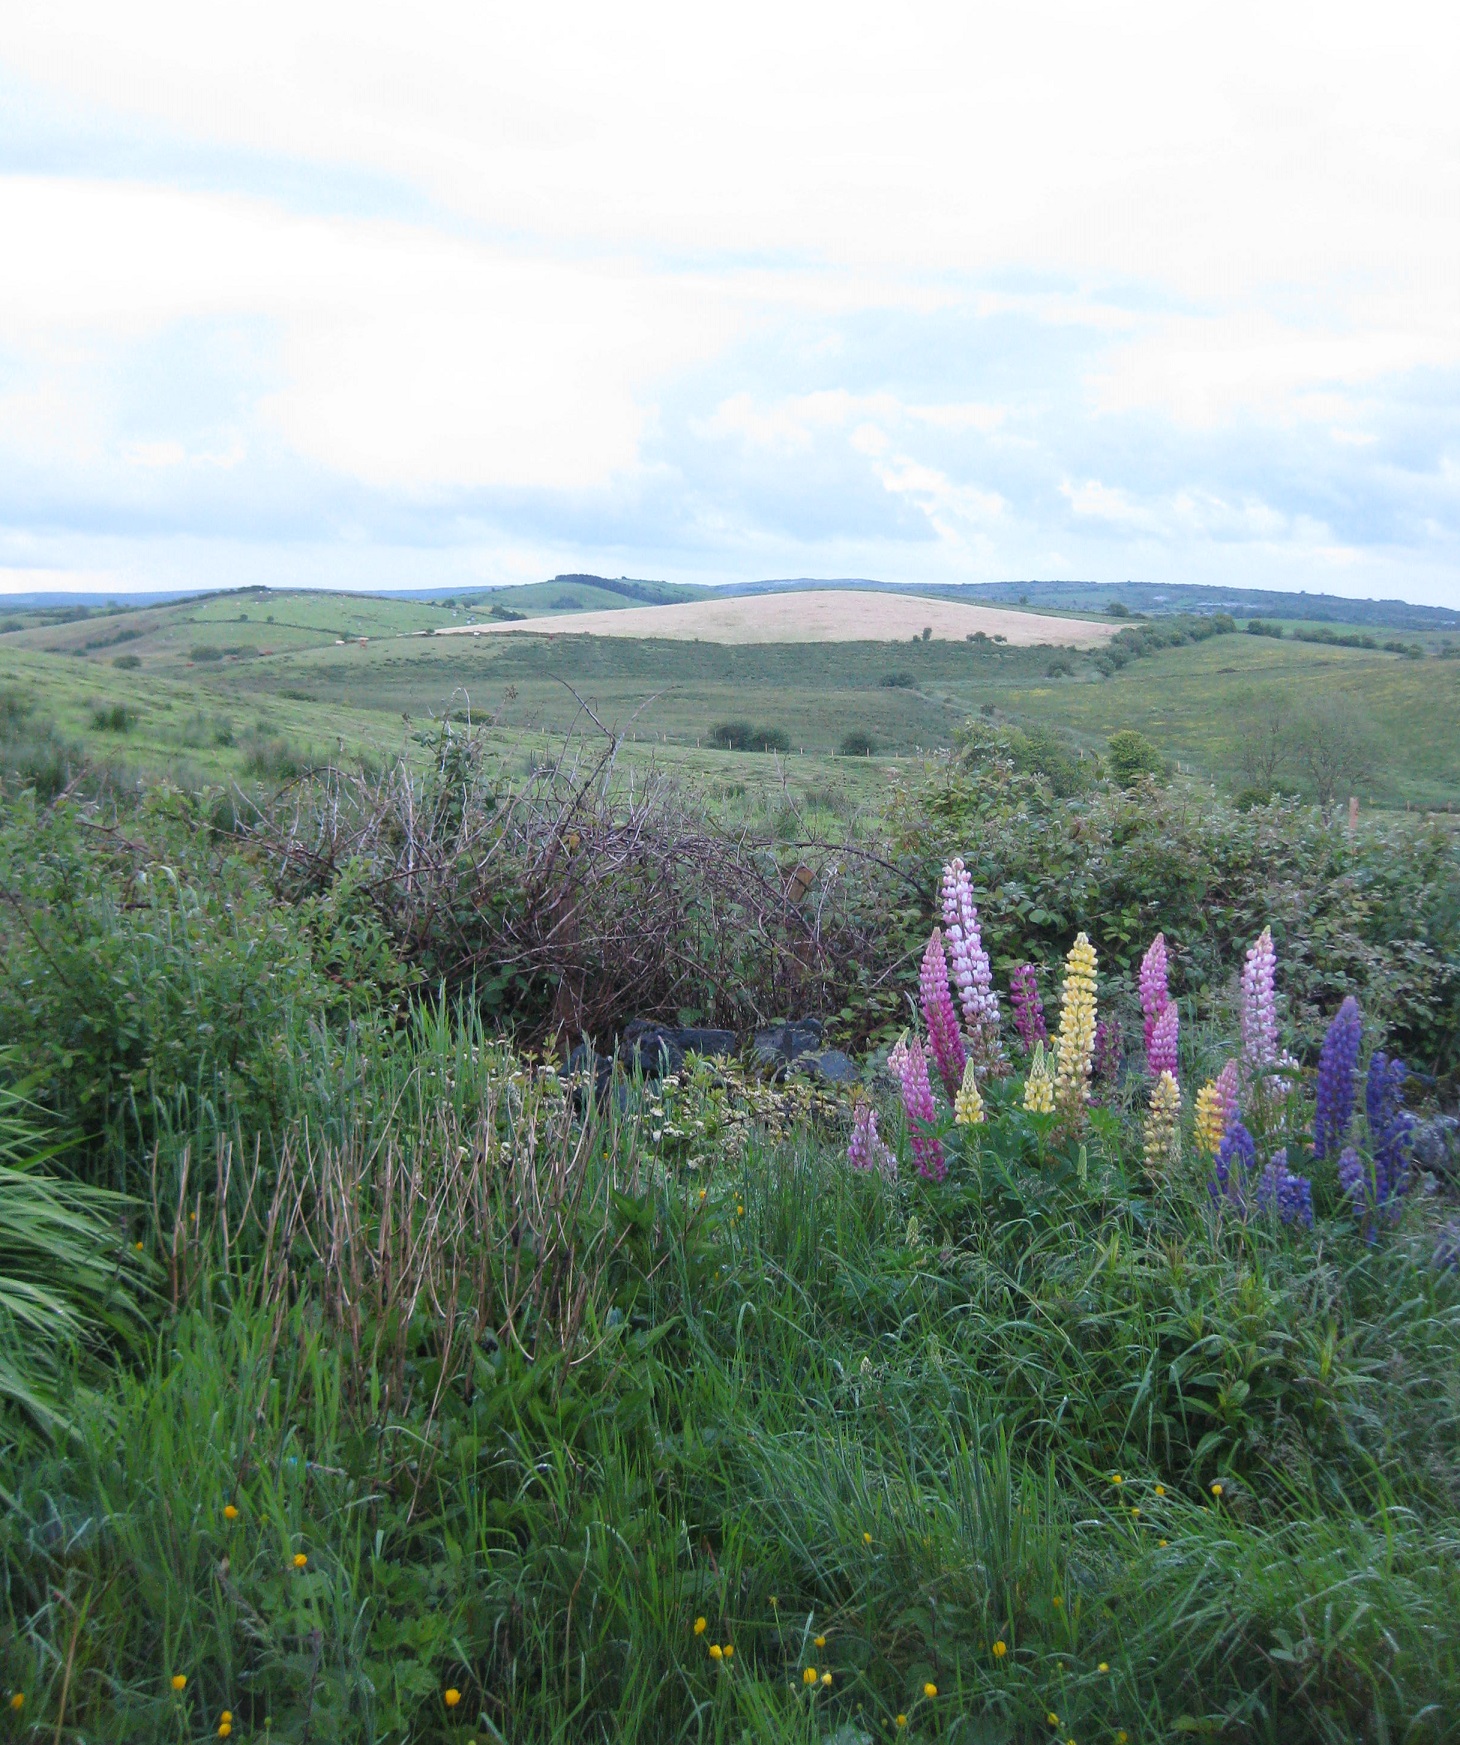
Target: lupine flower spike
1162 1051
1107 1051
1289 1195
968 1104
971 972
917 1100
1075 1044
1380 1186
1039 1086
1211 1121
1163 1127
867 1149
1154 995
944 1037
1336 1067
1259 1007
1028 1008
1236 1160
1228 1082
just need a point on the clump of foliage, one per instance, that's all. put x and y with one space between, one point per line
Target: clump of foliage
1132 757
857 743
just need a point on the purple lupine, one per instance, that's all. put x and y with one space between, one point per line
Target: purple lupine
1155 997
867 1149
938 1014
1028 1008
971 972
1236 1159
1280 1190
917 1100
1108 1046
1259 1006
1390 1129
1161 1044
1337 1064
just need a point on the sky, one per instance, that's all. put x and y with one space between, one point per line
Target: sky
383 296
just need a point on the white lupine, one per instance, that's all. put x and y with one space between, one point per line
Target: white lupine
968 961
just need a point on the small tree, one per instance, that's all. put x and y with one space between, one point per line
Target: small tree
1264 742
1335 748
857 743
1132 756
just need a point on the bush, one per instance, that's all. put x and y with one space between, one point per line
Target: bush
272 757
857 743
127 662
113 718
202 652
1060 669
1132 756
900 681
732 735
770 739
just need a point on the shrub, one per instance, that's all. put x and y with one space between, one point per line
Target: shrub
900 681
732 735
1060 669
127 662
202 652
770 739
113 718
272 757
1132 756
857 743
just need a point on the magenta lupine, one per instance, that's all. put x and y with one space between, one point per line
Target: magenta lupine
938 1014
1259 1006
1028 1008
917 1100
1155 996
1161 1045
867 1149
970 963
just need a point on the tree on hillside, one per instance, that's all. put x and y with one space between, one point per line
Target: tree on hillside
1334 746
1264 742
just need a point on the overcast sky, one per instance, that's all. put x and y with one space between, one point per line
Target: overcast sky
413 295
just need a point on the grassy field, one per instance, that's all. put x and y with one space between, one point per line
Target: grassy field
209 681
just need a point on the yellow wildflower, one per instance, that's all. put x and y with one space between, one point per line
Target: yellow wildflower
819 1641
866 1538
930 1691
729 1651
300 1559
17 1702
699 1626
1115 1478
826 1678
1216 1490
1211 1124
1000 1650
1075 1044
224 1729
1163 1128
900 1721
452 1698
1160 1490
179 1681
716 1651
1104 1666
968 1104
1039 1086
230 1512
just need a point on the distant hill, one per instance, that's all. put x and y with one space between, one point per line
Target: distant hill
1156 600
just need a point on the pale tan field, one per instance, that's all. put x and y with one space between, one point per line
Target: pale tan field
830 615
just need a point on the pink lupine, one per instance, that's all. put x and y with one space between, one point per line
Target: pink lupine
1028 1008
1155 996
1161 1049
938 1014
1228 1094
1259 1005
917 1100
867 1149
971 972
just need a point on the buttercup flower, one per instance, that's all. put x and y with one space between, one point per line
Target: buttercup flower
1000 1650
930 1691
700 1626
809 1675
179 1681
451 1698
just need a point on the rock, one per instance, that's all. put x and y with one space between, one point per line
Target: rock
1435 1146
655 1049
778 1045
830 1066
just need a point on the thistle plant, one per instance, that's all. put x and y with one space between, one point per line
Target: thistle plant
1334 1105
971 972
1075 1045
909 1061
1039 1086
1155 997
968 1104
1163 1128
1028 1007
944 1037
867 1149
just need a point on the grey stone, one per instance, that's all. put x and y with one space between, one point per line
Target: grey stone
831 1066
1435 1146
779 1044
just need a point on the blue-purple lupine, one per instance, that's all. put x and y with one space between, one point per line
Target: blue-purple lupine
1280 1190
1236 1159
1390 1129
1336 1067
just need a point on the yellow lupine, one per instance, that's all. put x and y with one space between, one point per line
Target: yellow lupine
1075 1044
1211 1122
1039 1087
968 1104
1163 1128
